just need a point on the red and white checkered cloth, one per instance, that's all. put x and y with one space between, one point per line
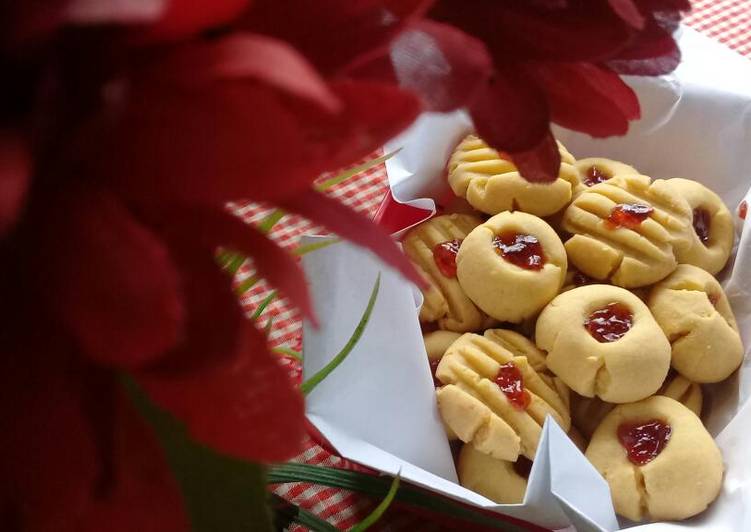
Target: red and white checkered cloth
728 21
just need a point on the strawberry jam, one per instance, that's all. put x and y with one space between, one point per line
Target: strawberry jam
743 210
701 222
643 441
433 368
524 251
610 323
523 466
594 175
511 383
629 215
444 255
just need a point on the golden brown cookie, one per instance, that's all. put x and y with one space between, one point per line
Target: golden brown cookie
588 412
437 342
594 170
693 311
684 391
602 340
501 481
658 459
432 247
491 183
711 240
511 265
625 230
519 346
495 400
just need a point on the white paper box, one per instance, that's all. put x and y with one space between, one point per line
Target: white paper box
378 408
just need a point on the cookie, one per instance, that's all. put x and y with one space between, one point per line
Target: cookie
511 266
711 240
491 183
602 341
432 247
494 400
693 311
588 412
595 170
658 459
519 346
625 230
501 481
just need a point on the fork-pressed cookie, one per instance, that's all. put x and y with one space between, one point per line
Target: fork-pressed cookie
711 240
693 311
511 265
491 182
432 246
626 230
602 341
494 400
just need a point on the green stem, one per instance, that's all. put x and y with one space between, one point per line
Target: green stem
379 510
308 386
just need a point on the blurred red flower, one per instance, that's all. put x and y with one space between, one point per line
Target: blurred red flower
126 126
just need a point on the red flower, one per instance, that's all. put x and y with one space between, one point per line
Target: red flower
540 51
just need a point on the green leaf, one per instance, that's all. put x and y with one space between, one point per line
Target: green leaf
379 510
367 165
287 351
308 386
221 493
287 512
263 304
313 246
379 486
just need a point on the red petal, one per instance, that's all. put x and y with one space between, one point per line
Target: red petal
343 221
226 142
628 11
15 173
337 141
111 280
58 474
514 31
541 163
183 18
653 52
587 98
511 113
246 407
245 56
144 495
212 228
444 65
113 11
214 319
333 33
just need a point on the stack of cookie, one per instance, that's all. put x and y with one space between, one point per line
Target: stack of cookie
592 300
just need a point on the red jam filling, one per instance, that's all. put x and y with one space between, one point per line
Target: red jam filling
643 441
629 215
743 210
524 251
511 383
610 323
523 466
444 255
701 222
433 368
595 175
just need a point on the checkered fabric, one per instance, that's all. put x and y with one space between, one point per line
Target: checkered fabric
728 21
